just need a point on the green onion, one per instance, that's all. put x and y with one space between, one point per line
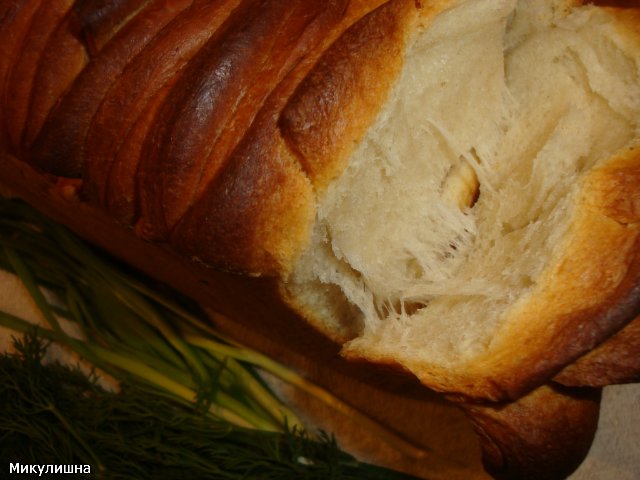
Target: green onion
125 331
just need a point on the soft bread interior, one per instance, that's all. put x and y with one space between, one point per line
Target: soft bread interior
462 191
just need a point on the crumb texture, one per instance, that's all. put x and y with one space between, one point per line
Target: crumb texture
463 191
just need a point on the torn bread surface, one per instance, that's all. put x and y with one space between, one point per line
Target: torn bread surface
454 242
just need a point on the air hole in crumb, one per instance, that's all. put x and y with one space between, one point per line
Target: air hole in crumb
460 185
411 308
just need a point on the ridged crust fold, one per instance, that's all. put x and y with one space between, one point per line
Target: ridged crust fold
60 146
165 102
15 24
516 436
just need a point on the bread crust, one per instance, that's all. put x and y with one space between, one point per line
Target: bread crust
20 83
273 152
100 20
544 435
587 295
263 226
215 231
63 58
211 107
60 146
162 64
330 111
614 362
183 176
257 203
15 23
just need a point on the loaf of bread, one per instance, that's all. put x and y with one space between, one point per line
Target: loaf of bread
447 187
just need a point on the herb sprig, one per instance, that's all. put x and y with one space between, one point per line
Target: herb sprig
55 414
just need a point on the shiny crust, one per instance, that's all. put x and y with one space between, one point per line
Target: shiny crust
257 178
123 107
222 93
264 168
60 145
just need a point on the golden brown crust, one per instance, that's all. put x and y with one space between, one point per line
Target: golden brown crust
332 108
570 328
544 435
160 65
216 230
85 29
587 294
616 361
612 190
260 206
121 189
125 111
256 205
208 112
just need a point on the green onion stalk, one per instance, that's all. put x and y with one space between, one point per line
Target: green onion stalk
124 332
138 331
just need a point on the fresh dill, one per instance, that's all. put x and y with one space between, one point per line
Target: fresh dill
54 414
